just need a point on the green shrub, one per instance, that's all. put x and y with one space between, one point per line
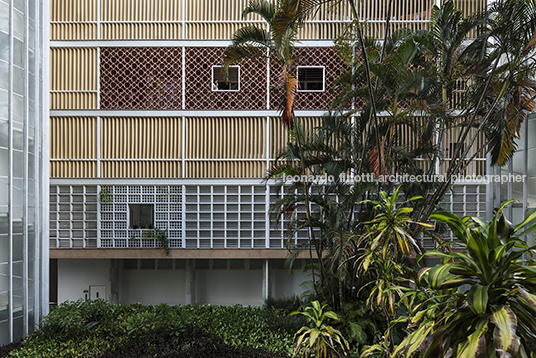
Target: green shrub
94 329
288 304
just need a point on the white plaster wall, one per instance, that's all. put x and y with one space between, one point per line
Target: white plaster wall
76 275
229 287
152 287
217 286
284 284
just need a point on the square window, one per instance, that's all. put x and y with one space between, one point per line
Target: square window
311 78
225 81
141 216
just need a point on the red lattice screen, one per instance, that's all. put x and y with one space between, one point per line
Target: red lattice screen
199 94
311 56
141 78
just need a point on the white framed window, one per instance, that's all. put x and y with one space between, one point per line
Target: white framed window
311 78
141 216
225 81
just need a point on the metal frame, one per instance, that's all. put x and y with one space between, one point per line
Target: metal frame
26 305
224 90
323 78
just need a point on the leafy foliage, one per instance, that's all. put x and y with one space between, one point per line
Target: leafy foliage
160 235
99 329
496 315
318 339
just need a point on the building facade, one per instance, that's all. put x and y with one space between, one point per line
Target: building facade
23 167
139 130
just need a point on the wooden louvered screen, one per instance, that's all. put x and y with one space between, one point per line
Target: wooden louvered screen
327 23
219 19
226 138
225 169
141 19
216 19
218 142
413 15
73 147
279 135
470 6
73 138
123 140
73 169
73 20
140 169
73 78
141 138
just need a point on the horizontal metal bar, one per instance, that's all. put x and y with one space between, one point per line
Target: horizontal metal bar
74 91
178 113
167 43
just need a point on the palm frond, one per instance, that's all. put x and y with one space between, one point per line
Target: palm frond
263 8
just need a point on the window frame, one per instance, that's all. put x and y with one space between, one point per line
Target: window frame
224 90
323 78
130 216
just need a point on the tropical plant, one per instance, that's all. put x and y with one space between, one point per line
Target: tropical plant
496 315
383 254
389 231
250 42
499 70
318 339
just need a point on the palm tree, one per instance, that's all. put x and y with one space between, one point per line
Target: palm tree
247 42
254 42
503 88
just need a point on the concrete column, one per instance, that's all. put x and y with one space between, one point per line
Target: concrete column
266 279
113 282
190 282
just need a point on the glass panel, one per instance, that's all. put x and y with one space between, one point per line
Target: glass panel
4 326
18 82
17 277
18 165
31 61
32 6
31 269
4 244
4 96
4 162
18 139
19 5
4 45
17 226
4 279
4 24
18 53
4 75
4 313
4 129
31 35
4 196
31 145
18 28
18 324
4 223
31 166
18 247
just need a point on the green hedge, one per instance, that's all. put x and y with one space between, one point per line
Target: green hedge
99 329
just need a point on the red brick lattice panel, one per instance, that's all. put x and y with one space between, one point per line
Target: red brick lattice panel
311 56
199 94
141 78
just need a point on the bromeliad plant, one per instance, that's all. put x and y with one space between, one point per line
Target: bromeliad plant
318 339
496 317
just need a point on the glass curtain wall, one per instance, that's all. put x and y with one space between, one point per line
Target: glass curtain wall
23 167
